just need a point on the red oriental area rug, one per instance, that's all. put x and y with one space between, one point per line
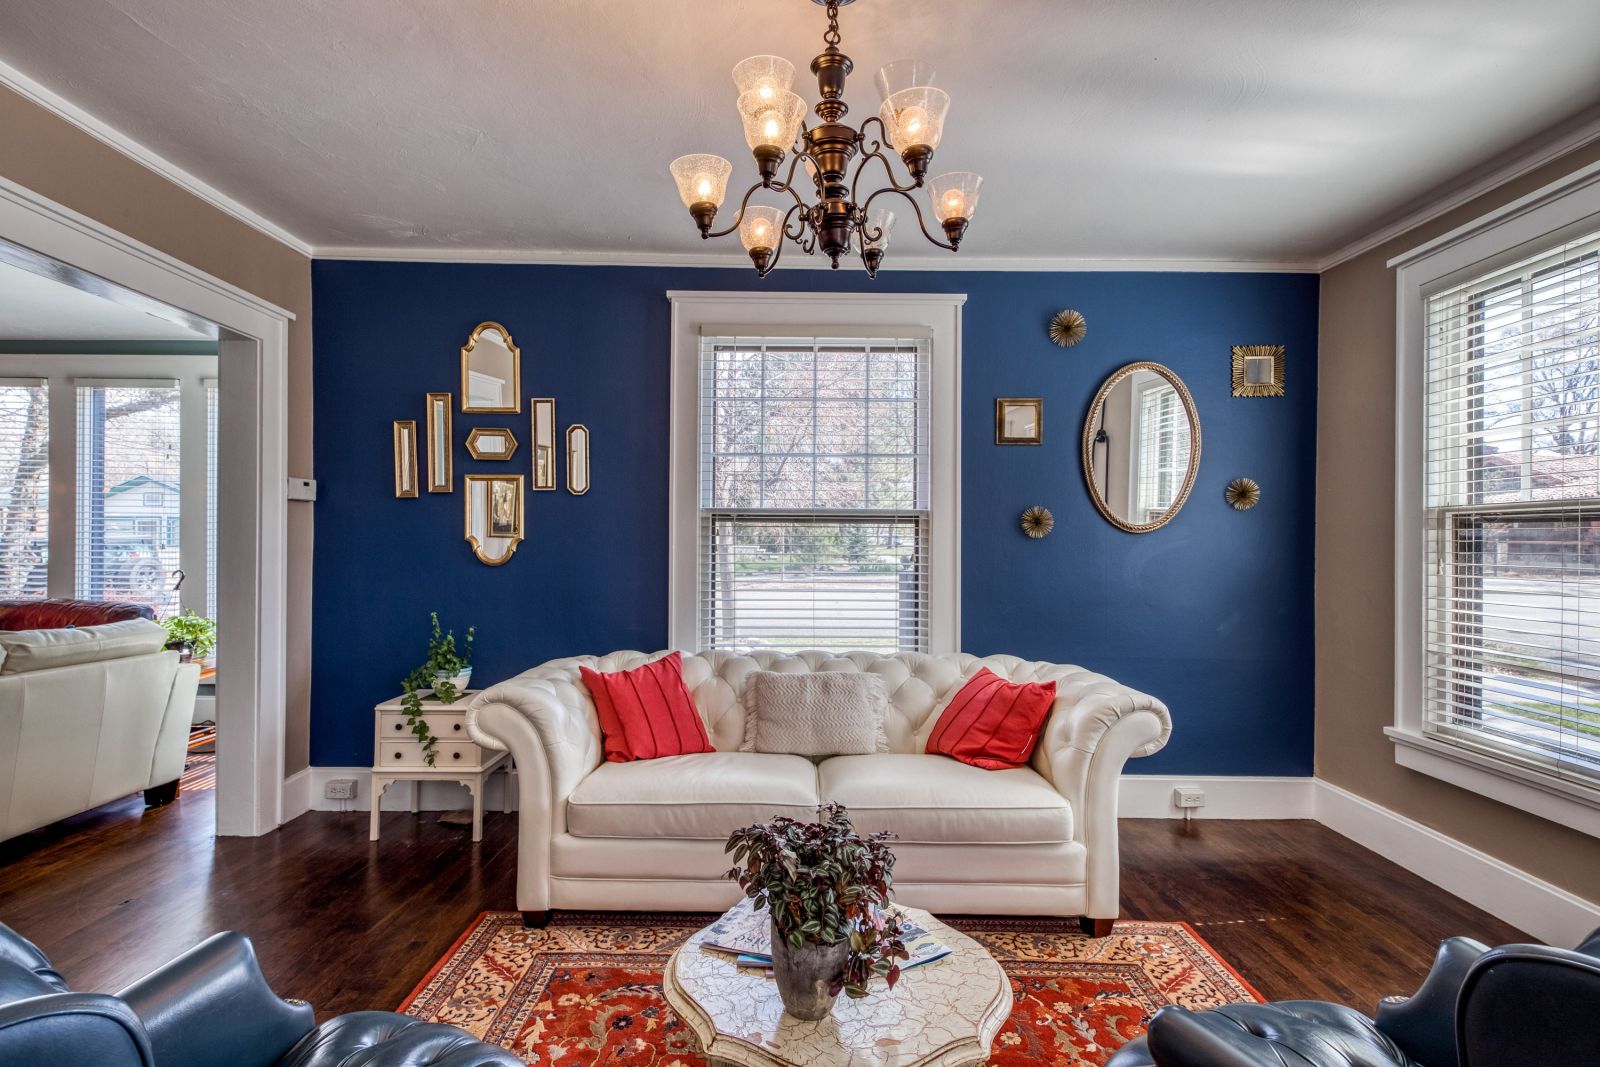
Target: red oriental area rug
586 990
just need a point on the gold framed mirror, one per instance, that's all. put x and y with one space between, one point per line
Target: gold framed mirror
494 516
1258 370
405 458
441 474
577 459
1141 447
491 371
544 444
491 442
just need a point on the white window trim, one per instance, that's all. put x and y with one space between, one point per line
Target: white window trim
938 314
1562 209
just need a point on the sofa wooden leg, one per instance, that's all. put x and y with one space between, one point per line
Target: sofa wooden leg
160 795
536 920
1095 927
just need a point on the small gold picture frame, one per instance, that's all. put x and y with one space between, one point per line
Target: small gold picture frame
494 516
405 458
544 444
577 459
441 470
1018 420
491 442
1258 370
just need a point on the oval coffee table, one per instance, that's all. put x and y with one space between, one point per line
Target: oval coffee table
942 1014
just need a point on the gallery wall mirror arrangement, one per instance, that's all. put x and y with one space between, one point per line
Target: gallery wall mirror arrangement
494 504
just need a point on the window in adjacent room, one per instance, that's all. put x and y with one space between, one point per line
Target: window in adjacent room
128 493
1163 449
814 494
24 488
211 496
1511 480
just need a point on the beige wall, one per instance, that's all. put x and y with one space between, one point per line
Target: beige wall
1355 568
55 158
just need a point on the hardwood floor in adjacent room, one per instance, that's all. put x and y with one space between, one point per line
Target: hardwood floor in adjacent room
348 924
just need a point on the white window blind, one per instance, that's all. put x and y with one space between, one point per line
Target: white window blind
24 488
1163 449
814 490
128 507
1512 499
211 498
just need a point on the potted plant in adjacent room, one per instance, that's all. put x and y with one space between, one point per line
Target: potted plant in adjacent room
194 636
827 890
444 674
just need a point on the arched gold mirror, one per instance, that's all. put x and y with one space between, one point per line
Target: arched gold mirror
1141 447
491 371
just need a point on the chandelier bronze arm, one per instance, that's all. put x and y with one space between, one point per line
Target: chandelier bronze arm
915 207
888 170
781 187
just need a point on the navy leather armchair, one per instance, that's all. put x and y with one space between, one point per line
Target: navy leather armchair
210 1007
1478 1007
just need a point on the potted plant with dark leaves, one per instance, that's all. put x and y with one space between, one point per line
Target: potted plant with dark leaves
826 888
444 674
194 636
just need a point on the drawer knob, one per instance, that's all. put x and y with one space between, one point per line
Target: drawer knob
398 727
397 755
456 727
455 755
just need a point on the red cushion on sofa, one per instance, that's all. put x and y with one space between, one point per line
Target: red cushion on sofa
993 723
60 614
647 712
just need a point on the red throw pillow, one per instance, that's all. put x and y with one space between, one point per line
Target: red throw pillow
993 723
647 712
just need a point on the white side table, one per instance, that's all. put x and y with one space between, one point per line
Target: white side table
397 756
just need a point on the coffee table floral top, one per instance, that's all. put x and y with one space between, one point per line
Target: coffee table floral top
944 1013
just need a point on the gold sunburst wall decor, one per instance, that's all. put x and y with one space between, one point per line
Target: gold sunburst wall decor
1243 493
1068 327
1037 522
1258 370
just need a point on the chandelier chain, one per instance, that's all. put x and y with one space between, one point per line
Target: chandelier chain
831 38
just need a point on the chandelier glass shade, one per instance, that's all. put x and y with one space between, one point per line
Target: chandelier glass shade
841 211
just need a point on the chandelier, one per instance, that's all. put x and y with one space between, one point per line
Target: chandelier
910 122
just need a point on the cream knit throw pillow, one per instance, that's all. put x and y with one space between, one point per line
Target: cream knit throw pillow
825 713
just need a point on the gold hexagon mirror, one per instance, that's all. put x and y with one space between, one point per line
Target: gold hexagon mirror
491 442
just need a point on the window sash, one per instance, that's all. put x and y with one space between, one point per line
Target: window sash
814 488
1511 487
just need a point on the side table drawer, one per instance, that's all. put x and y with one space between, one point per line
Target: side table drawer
446 725
449 754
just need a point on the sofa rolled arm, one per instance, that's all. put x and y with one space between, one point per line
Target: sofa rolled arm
213 1005
1424 1024
73 1028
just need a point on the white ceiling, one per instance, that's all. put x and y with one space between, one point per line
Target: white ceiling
36 308
1261 130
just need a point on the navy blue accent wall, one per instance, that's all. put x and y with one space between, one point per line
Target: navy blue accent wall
1213 613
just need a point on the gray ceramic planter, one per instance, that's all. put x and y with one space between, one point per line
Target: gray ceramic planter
805 974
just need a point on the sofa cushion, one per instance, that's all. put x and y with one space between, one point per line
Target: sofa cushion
694 797
60 614
821 713
37 650
646 712
938 800
993 723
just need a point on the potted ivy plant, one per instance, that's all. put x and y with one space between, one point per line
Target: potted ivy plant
826 888
194 636
444 675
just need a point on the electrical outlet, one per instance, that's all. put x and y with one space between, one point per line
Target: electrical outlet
1189 798
340 789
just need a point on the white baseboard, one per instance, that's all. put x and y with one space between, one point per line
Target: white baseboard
1548 912
435 796
1144 796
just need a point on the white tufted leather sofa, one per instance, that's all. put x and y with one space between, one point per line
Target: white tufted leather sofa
1037 840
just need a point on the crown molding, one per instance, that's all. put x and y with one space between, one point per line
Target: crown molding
64 109
735 260
1547 152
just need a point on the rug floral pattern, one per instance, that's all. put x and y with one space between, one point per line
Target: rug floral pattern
586 991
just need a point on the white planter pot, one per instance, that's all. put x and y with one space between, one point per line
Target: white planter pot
459 681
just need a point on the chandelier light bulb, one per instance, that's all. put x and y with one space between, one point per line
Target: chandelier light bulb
915 117
701 179
771 120
770 75
761 228
880 221
955 195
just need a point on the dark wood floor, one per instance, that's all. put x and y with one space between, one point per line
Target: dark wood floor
346 924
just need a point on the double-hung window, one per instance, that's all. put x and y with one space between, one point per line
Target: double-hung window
1163 448
24 488
814 493
1511 486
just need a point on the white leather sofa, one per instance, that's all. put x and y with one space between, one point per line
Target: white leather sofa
1037 840
88 714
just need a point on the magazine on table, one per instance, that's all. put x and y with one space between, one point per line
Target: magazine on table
747 933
